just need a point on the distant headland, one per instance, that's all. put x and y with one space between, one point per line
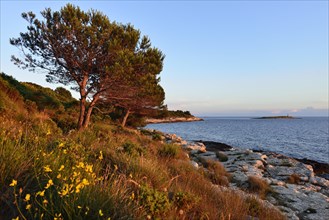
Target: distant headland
278 117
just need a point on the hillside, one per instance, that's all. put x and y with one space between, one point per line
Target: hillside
49 170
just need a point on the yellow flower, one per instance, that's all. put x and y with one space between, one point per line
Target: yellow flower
48 132
79 207
101 155
47 169
100 212
65 151
45 201
28 207
13 183
58 216
41 193
27 197
61 145
17 218
50 183
81 164
89 168
59 176
61 168
132 197
87 208
85 182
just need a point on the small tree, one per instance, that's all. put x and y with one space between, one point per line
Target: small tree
142 92
80 48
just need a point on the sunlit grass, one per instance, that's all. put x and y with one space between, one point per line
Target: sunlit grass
107 172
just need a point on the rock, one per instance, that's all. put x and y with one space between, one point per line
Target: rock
222 157
309 199
206 158
207 154
198 147
259 164
194 164
299 199
183 142
239 177
319 181
193 152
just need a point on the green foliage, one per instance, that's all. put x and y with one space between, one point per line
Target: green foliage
165 113
64 93
155 202
133 149
155 135
101 59
184 200
136 120
169 150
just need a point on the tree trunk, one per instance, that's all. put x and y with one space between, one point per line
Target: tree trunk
82 112
83 101
87 117
125 118
89 111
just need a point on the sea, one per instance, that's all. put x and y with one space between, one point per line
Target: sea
307 137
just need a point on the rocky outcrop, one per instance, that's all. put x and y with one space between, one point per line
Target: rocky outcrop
296 189
172 120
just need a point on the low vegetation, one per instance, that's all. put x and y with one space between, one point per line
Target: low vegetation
258 186
294 179
50 171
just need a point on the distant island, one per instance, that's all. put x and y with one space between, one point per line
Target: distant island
277 117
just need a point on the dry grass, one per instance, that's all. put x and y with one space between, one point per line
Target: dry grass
127 184
294 179
217 173
258 186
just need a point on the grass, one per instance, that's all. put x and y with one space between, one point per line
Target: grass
104 172
258 186
294 179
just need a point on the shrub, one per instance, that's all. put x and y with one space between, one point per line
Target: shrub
169 150
64 93
217 172
153 201
254 206
156 137
294 179
184 200
258 185
133 149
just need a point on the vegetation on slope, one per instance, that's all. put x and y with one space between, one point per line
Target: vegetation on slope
104 171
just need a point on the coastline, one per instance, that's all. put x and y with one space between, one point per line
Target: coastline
320 169
299 187
172 120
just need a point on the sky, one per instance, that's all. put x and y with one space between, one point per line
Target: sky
223 58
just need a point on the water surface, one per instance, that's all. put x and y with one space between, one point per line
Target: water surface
301 138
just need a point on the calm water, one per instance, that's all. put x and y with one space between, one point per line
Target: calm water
302 138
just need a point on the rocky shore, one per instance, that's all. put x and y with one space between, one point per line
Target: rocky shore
172 120
296 189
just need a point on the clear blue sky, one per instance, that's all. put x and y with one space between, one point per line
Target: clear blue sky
223 58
